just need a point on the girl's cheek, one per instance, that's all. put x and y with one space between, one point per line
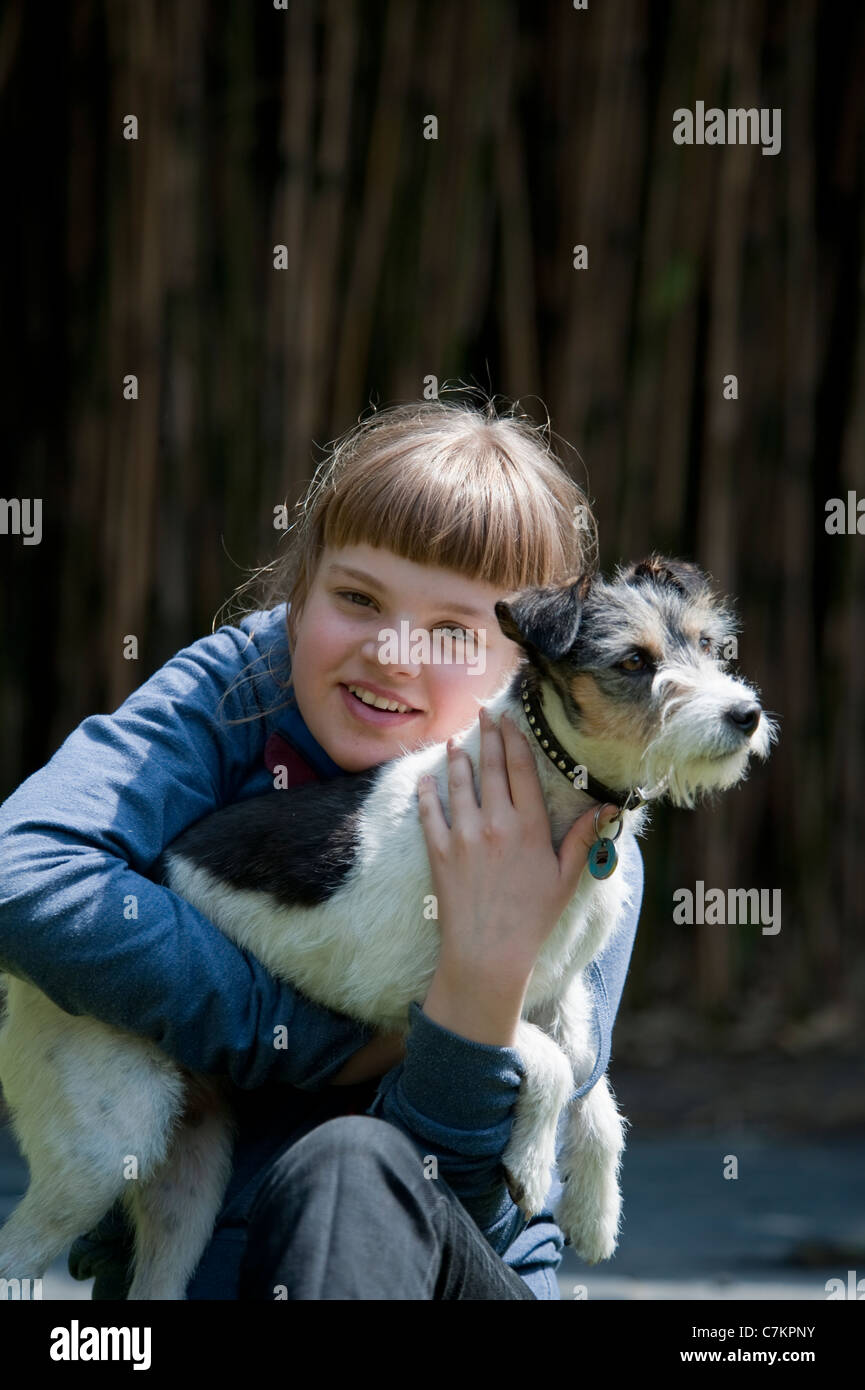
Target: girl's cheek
335 635
455 693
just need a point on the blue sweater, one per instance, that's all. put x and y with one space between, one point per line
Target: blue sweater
78 838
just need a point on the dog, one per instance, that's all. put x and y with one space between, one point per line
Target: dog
625 697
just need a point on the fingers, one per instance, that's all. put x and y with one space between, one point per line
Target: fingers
464 812
585 825
432 816
495 784
575 847
525 785
508 778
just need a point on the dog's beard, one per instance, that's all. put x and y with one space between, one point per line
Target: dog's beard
695 750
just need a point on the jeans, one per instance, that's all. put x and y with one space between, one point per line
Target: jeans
345 1212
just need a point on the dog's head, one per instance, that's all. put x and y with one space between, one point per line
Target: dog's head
640 666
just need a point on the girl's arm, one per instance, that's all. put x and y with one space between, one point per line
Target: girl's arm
78 916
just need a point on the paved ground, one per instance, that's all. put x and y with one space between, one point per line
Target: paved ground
793 1218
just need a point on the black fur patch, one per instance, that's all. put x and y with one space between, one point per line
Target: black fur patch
544 620
298 844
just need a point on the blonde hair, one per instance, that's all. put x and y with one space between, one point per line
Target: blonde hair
440 483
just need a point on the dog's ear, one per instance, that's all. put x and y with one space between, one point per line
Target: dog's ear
544 621
688 578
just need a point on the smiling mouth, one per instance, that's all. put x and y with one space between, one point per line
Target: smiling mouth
352 693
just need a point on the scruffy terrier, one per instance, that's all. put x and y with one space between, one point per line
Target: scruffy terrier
625 698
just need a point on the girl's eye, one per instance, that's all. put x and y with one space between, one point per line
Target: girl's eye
634 662
352 594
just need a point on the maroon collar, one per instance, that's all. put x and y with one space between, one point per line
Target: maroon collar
278 753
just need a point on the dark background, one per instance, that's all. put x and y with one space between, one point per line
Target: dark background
453 257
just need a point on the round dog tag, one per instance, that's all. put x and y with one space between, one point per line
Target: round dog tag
602 858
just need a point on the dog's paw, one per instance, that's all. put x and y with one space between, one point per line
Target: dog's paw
527 1189
592 1232
528 1163
515 1188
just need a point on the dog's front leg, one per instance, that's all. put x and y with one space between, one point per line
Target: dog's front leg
545 1088
593 1133
589 1209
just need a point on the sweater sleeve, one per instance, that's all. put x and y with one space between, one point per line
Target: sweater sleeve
455 1098
79 917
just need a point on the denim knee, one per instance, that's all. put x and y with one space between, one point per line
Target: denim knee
361 1142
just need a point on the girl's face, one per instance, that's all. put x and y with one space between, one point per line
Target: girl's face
341 636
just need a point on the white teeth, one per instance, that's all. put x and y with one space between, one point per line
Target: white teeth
378 700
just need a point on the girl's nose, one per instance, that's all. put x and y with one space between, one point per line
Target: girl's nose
392 653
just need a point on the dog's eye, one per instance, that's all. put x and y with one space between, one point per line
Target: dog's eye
634 662
705 644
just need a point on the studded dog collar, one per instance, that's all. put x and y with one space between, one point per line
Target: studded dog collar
626 801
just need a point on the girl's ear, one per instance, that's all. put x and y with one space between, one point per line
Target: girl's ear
545 621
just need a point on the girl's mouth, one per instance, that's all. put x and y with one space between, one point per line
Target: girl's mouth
368 714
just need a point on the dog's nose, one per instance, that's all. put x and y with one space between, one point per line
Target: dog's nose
745 717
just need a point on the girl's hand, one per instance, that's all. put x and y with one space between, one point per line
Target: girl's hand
500 885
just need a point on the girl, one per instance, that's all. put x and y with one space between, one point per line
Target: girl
364 1167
